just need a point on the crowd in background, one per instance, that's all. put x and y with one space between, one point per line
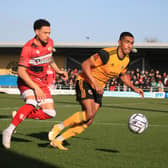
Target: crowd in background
149 80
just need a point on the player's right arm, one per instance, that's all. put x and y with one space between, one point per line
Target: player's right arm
94 61
22 73
57 70
86 68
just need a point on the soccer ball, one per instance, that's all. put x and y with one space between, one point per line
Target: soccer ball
137 123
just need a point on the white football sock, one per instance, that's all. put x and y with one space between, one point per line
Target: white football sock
11 128
61 126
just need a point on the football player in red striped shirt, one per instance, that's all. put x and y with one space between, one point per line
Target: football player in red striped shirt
35 58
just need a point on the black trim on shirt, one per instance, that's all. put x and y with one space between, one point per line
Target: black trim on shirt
34 45
36 68
22 66
119 56
104 56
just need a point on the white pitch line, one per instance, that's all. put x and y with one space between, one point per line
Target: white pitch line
94 123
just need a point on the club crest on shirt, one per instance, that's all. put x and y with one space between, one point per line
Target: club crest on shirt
95 56
37 51
50 48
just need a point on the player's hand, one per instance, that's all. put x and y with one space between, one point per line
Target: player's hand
139 91
64 75
39 94
98 89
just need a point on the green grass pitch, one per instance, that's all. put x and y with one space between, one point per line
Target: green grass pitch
106 144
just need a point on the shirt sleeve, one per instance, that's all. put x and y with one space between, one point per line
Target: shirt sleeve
25 57
100 58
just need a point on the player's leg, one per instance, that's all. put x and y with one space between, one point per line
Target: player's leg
46 110
72 131
80 117
17 119
13 115
83 93
89 111
76 118
28 111
76 129
97 106
91 107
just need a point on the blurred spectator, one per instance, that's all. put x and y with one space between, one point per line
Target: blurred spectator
160 86
166 81
112 86
153 85
137 72
135 81
141 81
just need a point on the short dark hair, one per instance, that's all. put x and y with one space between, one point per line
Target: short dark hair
123 34
39 23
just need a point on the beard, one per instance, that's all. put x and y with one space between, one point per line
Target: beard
43 43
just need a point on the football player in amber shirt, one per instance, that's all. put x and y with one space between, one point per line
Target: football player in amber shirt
96 71
35 58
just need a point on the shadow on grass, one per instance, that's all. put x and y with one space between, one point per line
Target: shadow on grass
15 139
12 159
44 136
40 135
107 150
5 116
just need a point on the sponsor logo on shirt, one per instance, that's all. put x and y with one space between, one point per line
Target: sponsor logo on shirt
41 60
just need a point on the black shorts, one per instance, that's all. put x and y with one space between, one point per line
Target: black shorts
85 91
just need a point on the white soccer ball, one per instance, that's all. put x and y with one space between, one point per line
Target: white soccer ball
137 123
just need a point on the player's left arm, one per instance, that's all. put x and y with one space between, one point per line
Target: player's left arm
57 70
126 80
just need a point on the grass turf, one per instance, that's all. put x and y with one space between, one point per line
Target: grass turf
106 144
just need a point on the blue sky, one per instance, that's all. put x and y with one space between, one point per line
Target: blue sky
76 20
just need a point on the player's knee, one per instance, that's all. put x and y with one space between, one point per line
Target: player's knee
50 112
90 115
32 102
